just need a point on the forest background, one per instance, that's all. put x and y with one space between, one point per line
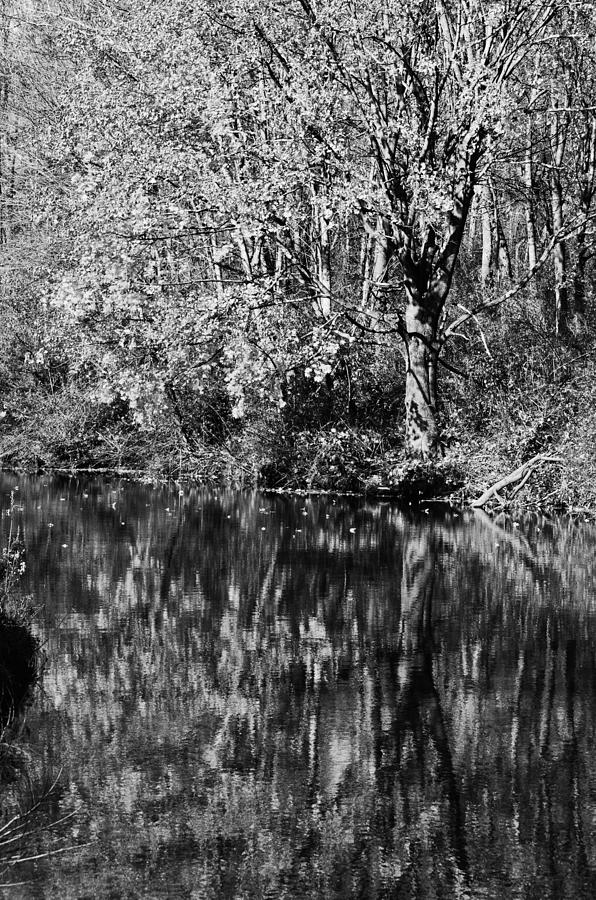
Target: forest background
329 245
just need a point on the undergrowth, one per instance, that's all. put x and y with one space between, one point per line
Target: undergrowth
521 391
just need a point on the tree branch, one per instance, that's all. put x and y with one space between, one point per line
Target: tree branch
560 235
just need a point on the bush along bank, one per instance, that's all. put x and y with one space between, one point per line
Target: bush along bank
522 423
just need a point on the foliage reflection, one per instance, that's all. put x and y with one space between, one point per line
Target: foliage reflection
257 696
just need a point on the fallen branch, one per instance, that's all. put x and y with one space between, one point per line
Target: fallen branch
521 475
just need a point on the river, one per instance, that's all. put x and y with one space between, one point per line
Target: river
249 695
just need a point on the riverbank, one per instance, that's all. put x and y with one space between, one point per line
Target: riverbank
504 415
472 474
562 478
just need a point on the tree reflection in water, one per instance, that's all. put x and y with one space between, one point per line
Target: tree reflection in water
253 700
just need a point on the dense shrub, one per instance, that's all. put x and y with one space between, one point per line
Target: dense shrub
336 458
415 481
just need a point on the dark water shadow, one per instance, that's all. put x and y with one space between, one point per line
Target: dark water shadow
19 668
19 673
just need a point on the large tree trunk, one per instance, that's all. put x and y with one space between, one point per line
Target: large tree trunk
427 280
420 353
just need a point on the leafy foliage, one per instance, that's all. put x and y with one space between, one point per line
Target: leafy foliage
233 226
343 458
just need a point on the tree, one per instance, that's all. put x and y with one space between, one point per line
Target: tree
253 190
417 99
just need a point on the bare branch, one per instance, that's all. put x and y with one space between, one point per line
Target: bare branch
560 235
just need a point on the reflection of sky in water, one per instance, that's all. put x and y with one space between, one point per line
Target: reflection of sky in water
259 696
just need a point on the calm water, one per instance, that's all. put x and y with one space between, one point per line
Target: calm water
249 696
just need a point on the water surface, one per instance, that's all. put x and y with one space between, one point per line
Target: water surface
254 696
